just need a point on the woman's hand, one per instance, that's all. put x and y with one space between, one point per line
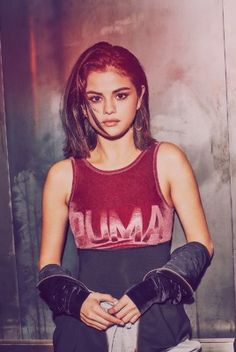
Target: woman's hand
92 314
126 310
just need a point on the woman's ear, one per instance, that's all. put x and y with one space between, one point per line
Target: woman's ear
143 89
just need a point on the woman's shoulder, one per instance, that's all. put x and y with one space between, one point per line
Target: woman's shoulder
60 168
172 160
60 174
171 152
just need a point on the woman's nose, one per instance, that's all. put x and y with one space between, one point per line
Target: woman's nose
109 106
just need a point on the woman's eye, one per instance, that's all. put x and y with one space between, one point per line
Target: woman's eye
121 96
95 98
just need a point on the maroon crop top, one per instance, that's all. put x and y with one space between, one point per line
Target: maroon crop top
121 208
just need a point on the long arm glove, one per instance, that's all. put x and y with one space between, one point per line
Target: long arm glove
175 281
62 293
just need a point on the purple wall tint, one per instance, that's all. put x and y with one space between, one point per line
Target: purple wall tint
187 48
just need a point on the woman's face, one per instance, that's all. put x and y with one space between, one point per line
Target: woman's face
114 101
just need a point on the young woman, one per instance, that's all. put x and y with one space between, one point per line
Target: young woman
119 189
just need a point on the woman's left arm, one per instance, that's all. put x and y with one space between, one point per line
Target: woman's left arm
187 263
181 190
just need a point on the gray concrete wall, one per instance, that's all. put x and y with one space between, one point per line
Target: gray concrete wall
187 48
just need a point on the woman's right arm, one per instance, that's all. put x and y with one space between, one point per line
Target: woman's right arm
56 194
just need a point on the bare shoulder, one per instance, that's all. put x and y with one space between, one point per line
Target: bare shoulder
173 160
59 177
61 169
171 152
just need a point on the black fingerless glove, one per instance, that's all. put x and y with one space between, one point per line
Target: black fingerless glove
175 281
62 293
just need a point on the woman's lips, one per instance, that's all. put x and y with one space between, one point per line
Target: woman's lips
110 123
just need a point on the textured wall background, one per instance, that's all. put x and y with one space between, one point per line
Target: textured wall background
187 48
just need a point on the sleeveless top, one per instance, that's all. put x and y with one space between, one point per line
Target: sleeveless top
121 208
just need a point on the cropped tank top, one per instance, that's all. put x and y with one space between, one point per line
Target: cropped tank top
121 208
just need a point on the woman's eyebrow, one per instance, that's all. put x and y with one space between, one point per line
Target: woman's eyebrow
114 91
93 92
121 89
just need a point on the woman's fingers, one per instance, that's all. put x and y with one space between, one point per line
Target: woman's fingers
131 316
118 306
135 318
94 324
125 301
108 317
125 309
102 297
93 315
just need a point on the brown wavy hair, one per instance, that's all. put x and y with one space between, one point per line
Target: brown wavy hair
81 137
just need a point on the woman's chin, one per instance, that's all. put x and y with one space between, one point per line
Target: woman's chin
114 135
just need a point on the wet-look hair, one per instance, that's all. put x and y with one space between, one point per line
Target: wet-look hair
81 137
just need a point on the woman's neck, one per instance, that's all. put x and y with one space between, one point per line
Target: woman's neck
114 154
